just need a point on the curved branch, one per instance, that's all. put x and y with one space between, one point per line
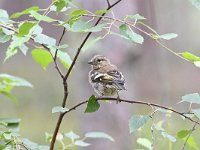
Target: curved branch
135 102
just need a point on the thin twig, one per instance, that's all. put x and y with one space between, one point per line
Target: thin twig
170 50
192 130
119 20
55 57
136 102
47 10
108 2
64 29
139 29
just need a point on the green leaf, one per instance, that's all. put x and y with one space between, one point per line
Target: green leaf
190 56
162 110
130 35
16 42
192 143
78 26
44 39
197 63
71 21
136 17
30 144
23 48
37 29
60 109
8 32
43 147
64 58
78 12
48 136
183 133
73 136
14 81
40 17
159 128
24 12
170 137
11 122
3 14
144 142
82 26
100 12
42 57
8 95
96 28
137 121
60 4
10 53
191 98
90 44
168 36
195 3
196 112
92 105
3 37
7 136
3 124
81 143
4 17
98 135
25 28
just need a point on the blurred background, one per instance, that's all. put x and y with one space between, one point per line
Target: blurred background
152 74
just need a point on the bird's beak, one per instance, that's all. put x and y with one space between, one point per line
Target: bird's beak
90 62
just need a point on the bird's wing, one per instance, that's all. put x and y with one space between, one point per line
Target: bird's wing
118 79
112 77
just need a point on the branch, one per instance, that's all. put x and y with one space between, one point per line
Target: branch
192 130
64 29
108 2
85 40
141 30
67 75
136 102
55 57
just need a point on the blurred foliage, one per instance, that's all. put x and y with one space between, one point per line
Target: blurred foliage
24 35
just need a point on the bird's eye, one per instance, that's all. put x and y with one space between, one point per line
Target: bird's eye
98 60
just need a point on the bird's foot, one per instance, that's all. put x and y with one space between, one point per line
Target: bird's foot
118 100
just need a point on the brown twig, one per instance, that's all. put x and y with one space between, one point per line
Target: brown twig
56 52
136 102
63 33
67 75
108 3
192 130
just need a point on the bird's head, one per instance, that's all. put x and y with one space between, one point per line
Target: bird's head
98 61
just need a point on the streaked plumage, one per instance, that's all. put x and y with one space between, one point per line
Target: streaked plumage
104 77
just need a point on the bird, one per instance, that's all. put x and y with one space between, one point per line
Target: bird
105 77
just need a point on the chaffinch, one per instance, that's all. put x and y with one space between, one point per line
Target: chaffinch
105 77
